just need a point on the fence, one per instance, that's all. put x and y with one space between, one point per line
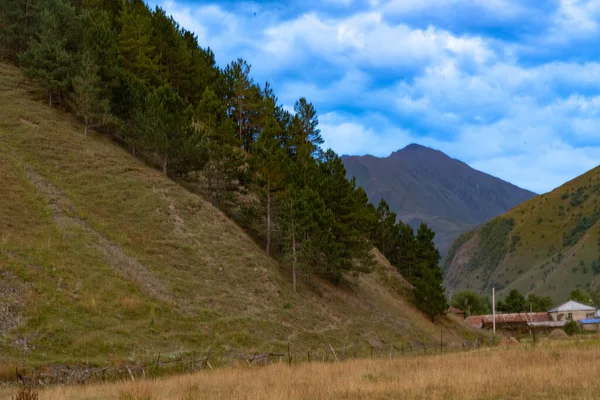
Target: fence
189 362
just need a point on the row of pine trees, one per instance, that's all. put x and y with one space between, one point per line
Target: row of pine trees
133 73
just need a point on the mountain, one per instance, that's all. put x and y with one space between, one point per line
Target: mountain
425 185
103 258
547 245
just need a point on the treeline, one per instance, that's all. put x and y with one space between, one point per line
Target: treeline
133 73
473 303
415 256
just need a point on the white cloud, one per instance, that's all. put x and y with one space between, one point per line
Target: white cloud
575 19
499 8
347 136
380 82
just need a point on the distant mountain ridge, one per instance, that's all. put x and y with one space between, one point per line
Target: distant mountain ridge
425 185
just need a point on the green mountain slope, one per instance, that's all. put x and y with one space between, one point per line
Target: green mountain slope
103 258
547 245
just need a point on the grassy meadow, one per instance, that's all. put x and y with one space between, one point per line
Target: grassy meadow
565 370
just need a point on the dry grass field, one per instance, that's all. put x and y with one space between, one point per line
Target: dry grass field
564 370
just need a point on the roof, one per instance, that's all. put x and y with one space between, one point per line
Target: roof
475 321
455 310
516 317
547 323
572 306
589 321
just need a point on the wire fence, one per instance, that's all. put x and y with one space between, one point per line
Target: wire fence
189 362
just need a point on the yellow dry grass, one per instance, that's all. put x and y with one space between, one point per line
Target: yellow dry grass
551 371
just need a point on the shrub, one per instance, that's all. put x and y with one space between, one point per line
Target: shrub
571 328
581 227
26 393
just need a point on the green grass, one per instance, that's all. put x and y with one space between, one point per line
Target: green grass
542 254
103 258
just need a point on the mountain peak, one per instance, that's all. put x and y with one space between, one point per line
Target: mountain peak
422 184
415 146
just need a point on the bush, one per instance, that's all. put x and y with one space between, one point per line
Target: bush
571 328
26 393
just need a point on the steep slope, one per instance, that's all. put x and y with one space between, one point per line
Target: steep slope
104 258
547 245
425 185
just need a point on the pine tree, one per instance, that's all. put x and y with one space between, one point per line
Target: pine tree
100 42
167 124
268 162
428 279
349 207
385 236
89 104
429 292
134 41
17 26
49 57
426 254
243 98
225 159
307 127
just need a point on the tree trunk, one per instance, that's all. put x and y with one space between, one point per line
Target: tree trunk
209 180
218 188
165 165
86 126
50 97
268 218
294 256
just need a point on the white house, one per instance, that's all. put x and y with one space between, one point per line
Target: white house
572 311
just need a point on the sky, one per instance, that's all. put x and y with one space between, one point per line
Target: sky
510 87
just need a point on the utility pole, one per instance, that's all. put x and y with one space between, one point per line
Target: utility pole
494 309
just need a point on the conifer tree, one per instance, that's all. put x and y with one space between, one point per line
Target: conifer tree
428 278
100 42
167 124
89 105
429 292
268 162
225 159
48 57
134 41
243 98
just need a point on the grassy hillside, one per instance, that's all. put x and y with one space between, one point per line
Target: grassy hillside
103 258
547 245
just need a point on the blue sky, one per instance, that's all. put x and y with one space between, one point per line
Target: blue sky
511 88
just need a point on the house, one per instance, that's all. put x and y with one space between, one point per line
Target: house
514 321
588 318
572 311
455 311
